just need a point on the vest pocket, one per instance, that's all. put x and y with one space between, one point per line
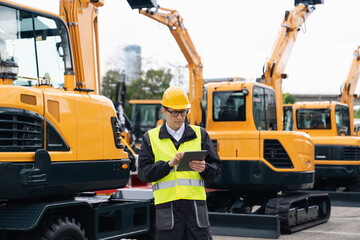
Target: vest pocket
164 216
202 216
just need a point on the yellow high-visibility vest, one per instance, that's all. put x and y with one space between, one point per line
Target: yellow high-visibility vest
176 185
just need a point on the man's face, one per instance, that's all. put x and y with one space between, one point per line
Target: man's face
174 118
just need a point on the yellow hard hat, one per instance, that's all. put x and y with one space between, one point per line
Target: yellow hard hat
175 98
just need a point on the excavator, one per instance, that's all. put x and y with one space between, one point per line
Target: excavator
331 126
259 160
145 115
59 136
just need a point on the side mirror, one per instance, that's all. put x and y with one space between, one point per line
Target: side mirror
343 131
245 91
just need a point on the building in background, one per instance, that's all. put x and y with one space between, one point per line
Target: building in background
131 55
125 59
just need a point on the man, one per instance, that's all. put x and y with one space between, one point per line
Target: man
180 198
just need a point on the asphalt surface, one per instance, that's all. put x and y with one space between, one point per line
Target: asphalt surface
344 224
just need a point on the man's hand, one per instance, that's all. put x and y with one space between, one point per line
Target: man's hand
198 166
176 160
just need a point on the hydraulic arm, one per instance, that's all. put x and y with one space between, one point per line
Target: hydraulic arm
174 21
82 20
348 95
274 70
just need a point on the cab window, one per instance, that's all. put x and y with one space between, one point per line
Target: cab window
39 45
144 117
342 120
288 119
264 108
229 106
313 118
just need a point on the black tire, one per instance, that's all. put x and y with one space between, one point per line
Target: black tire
63 228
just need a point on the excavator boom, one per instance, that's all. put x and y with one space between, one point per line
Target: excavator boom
81 18
174 21
348 95
275 66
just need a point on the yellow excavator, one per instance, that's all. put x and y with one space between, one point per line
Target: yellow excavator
59 137
145 115
258 159
331 125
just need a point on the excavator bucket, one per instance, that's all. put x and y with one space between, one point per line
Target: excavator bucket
139 4
309 2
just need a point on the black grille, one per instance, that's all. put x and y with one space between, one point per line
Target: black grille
351 153
20 130
276 155
117 132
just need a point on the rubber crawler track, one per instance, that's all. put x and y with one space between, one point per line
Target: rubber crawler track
289 206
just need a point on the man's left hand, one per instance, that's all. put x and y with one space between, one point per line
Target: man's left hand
198 166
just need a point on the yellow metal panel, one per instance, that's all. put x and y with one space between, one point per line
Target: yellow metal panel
299 146
17 157
337 162
141 101
90 127
337 140
67 127
53 109
86 31
10 96
237 145
28 99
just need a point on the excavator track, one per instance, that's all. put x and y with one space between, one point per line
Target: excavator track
300 210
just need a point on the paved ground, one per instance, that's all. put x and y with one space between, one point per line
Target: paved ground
344 224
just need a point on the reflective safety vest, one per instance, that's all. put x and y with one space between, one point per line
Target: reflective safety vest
176 185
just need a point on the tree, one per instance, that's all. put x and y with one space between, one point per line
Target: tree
150 85
288 98
108 86
357 113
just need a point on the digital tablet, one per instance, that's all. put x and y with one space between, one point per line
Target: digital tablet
188 157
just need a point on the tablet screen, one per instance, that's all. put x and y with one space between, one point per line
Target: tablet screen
188 157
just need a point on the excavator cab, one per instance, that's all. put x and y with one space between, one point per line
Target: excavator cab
238 109
55 139
145 115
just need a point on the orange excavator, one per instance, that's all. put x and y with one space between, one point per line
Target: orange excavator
59 137
331 125
258 162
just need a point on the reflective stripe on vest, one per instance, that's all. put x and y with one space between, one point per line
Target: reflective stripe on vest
176 185
185 182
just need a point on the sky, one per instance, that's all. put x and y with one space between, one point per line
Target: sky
236 37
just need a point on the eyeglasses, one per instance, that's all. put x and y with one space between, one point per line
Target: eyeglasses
176 113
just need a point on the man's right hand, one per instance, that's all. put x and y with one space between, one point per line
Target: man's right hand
176 160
